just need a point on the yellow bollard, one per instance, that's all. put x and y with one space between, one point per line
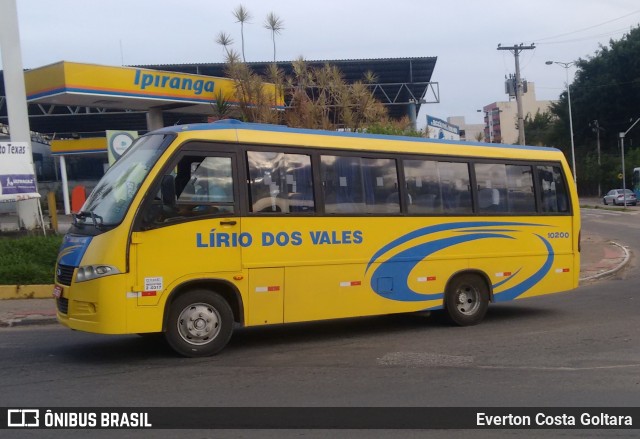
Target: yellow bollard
53 213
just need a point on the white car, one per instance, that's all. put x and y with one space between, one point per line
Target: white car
617 197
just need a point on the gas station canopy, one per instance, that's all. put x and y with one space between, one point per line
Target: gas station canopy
89 85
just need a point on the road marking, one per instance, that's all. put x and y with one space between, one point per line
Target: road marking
562 368
422 359
591 212
427 359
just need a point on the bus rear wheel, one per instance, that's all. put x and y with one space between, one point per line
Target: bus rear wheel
200 324
467 299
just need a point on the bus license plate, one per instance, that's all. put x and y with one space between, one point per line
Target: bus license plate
57 291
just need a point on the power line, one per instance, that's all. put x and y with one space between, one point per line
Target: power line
587 28
589 37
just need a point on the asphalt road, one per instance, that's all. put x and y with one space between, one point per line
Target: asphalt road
578 349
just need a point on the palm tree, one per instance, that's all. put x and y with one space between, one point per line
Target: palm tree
242 16
275 25
225 41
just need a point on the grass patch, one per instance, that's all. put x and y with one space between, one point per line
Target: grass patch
28 260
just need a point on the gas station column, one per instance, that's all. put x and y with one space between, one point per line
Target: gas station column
154 119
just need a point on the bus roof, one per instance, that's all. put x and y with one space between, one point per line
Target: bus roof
232 124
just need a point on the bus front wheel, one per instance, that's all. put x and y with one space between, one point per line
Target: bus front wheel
200 324
467 299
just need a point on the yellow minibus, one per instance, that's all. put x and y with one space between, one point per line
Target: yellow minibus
200 229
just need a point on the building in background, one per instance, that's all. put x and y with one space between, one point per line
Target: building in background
472 132
501 118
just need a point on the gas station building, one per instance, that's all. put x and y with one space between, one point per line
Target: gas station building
75 105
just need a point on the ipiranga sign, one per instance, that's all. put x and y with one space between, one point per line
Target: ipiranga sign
17 178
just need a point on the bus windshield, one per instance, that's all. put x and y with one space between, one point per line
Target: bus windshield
111 198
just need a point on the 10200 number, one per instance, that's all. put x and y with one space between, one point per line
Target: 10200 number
557 235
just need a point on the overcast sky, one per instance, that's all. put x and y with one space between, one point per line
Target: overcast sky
462 34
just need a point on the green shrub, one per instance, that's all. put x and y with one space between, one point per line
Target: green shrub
28 260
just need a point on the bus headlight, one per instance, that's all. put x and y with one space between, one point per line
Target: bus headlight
89 272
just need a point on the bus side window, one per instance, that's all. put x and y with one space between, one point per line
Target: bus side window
492 187
520 195
455 187
198 186
553 190
204 180
423 191
360 185
280 183
342 184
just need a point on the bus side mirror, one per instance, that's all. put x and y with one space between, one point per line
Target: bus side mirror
168 190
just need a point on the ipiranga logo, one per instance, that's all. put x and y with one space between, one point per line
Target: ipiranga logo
176 82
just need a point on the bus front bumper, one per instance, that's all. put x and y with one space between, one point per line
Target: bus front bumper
97 306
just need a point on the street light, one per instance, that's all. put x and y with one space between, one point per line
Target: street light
597 128
566 66
624 183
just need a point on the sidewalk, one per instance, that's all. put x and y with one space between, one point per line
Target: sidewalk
600 259
9 222
596 203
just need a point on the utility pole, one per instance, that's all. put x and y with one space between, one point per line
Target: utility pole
516 49
596 127
17 111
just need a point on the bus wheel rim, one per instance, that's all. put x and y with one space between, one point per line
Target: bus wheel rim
199 324
467 300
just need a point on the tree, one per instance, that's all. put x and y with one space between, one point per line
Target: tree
606 88
275 25
254 98
222 107
318 97
402 127
321 98
225 41
539 128
242 16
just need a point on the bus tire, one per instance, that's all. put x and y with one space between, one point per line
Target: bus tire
200 324
466 299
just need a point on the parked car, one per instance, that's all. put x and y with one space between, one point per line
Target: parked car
616 197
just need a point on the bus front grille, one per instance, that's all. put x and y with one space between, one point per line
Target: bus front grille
64 274
63 305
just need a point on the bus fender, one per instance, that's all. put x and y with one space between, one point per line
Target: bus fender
220 286
480 273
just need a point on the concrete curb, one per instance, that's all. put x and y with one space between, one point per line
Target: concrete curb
25 292
614 270
31 320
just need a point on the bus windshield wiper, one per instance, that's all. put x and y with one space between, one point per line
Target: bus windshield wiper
95 219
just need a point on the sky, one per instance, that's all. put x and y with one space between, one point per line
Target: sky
462 34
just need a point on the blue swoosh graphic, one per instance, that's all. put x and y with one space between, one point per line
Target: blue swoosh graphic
517 290
400 266
72 249
496 285
391 279
441 228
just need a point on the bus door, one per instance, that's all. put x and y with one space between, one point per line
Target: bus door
189 225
